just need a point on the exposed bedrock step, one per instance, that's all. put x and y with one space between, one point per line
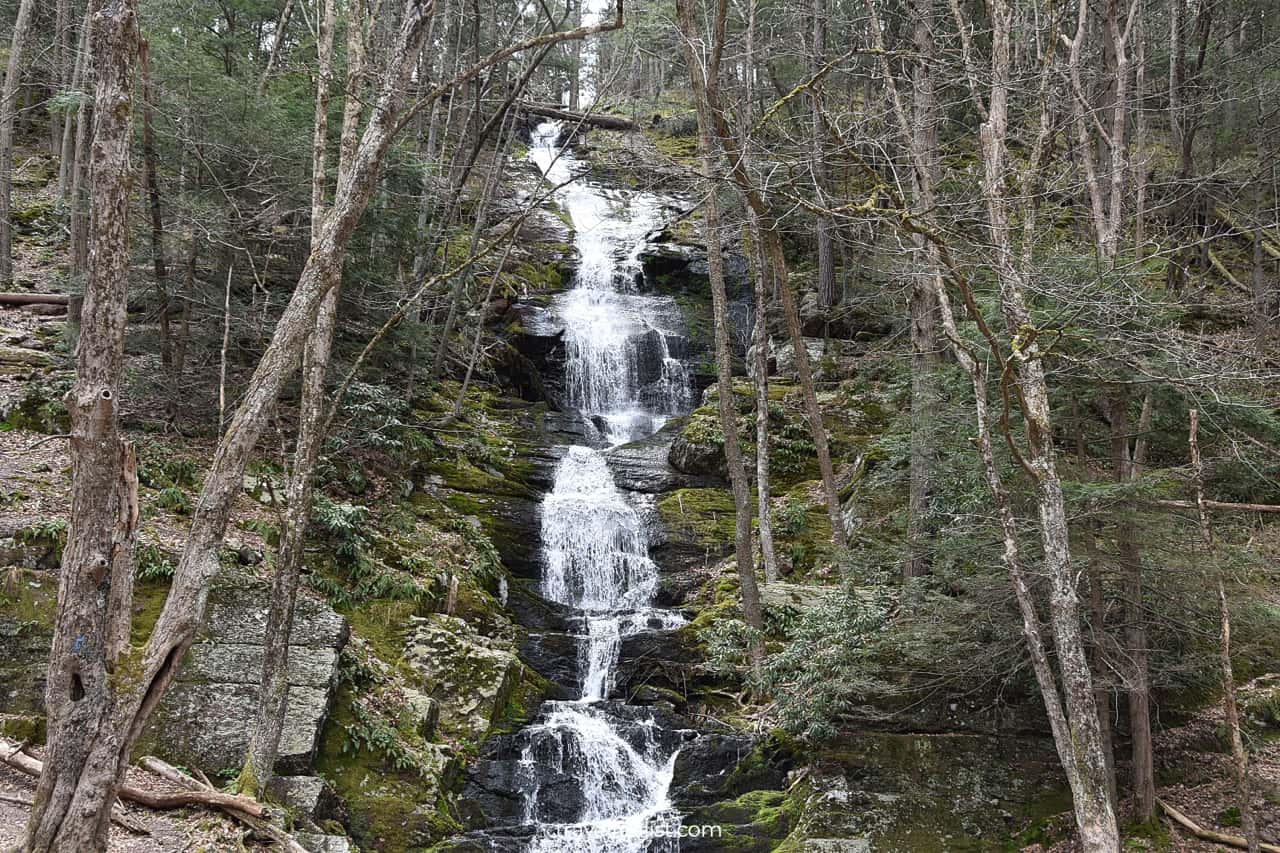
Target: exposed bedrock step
493 794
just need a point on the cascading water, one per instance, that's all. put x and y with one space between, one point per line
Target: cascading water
621 374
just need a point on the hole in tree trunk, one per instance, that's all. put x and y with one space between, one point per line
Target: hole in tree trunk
77 687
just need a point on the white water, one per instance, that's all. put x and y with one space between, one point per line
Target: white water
594 542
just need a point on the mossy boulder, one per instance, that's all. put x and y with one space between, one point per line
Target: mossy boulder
473 677
918 793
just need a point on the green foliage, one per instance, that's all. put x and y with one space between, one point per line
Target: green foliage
152 564
821 671
50 534
374 734
168 471
174 499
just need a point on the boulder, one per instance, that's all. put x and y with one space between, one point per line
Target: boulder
472 676
646 466
828 360
701 458
203 719
310 796
318 842
421 713
703 768
847 322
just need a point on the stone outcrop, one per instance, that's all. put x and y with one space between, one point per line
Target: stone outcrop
474 677
204 718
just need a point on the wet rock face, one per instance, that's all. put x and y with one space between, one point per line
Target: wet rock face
491 795
203 720
700 458
646 466
472 676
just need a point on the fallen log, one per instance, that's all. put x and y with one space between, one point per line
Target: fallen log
1251 233
1221 505
17 759
1208 834
34 299
606 122
1218 265
257 823
11 754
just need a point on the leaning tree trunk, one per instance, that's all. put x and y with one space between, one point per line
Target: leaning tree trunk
90 653
273 692
8 112
736 160
87 754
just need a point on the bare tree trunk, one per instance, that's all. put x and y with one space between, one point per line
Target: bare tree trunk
924 306
575 71
761 277
8 112
1076 732
63 62
80 158
71 124
817 150
1239 758
699 73
86 757
153 202
282 27
95 590
1127 469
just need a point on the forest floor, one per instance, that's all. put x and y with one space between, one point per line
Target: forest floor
177 831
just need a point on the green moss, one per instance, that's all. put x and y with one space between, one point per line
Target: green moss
24 728
381 623
700 516
388 810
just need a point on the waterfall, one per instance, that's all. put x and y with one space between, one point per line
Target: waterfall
620 372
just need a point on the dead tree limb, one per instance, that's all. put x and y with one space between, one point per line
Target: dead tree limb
255 821
1208 834
34 299
14 757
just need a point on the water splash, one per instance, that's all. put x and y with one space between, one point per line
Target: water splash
622 374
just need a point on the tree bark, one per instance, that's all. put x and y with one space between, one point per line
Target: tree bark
707 149
90 653
1239 758
86 758
8 112
153 203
